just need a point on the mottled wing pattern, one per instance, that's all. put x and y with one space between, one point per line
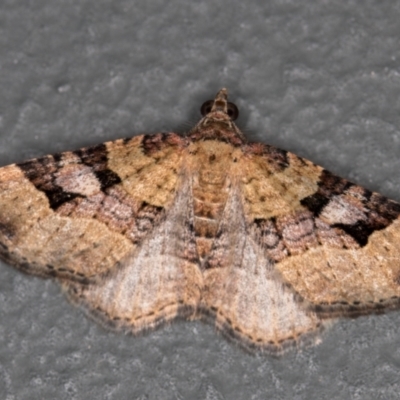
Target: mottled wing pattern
265 244
333 242
76 215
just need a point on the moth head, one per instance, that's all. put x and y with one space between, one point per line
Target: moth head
217 122
220 104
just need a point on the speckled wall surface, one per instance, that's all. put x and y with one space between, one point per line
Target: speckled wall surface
318 78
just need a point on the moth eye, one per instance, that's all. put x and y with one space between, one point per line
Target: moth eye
233 111
206 107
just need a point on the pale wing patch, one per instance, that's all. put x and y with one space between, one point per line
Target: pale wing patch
78 179
340 211
253 306
155 284
245 295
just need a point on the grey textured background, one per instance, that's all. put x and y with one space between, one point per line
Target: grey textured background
320 78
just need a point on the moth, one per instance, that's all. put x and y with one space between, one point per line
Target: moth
265 245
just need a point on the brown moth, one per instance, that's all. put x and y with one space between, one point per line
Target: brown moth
264 244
